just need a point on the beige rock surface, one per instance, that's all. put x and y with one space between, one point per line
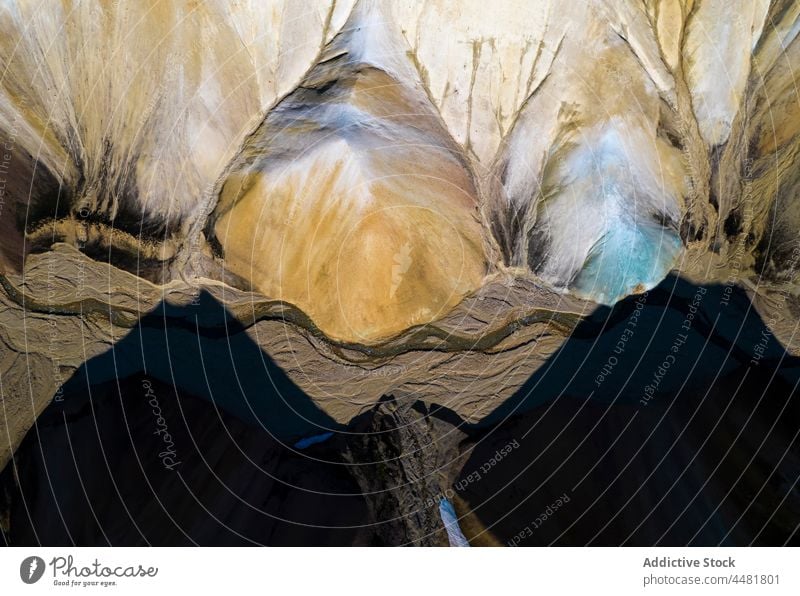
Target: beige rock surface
68 309
389 197
352 202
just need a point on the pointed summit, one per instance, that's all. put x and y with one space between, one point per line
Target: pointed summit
351 200
371 37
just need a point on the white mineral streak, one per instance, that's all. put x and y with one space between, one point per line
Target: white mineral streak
720 38
480 63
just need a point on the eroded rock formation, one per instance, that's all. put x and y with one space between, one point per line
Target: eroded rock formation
340 201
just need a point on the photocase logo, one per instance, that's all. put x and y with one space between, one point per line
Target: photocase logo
31 569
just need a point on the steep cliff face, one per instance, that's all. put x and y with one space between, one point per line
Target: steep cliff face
131 111
351 200
590 187
363 198
597 142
